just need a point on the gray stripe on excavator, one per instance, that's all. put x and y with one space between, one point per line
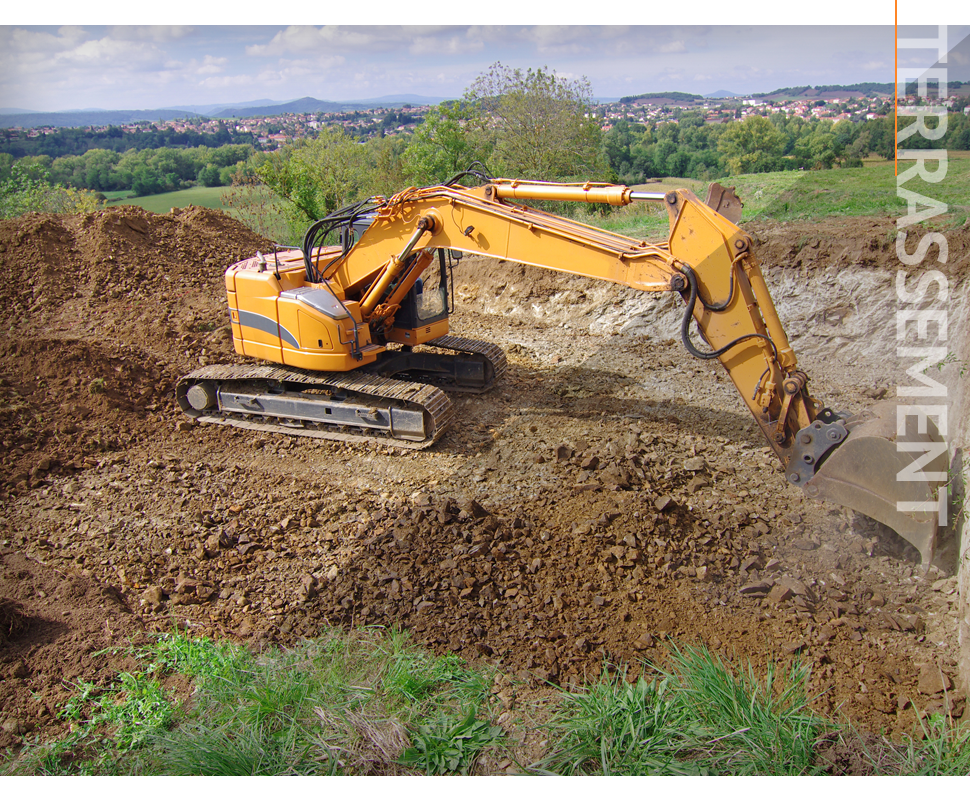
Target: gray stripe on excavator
264 324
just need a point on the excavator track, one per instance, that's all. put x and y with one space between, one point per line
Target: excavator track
467 366
348 407
495 362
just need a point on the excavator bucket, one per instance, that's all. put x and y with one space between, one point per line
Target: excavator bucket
890 477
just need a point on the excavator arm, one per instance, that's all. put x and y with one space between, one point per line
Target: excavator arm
387 244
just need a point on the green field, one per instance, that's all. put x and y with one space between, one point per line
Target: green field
786 196
869 191
163 203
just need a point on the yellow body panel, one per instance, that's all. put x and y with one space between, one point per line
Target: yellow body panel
286 330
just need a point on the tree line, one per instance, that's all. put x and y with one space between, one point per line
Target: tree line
78 140
144 171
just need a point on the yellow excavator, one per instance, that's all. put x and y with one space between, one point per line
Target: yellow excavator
354 327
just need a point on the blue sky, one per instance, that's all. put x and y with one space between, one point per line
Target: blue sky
140 66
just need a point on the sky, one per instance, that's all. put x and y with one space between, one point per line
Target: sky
88 63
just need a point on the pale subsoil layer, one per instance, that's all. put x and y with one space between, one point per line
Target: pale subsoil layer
611 495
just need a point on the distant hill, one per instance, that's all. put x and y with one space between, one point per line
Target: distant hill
91 118
11 117
871 89
670 97
315 105
840 91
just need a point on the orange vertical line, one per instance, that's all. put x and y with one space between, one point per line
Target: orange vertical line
896 89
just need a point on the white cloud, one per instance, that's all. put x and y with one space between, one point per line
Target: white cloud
212 64
107 51
151 33
677 46
449 46
555 35
489 32
309 39
220 82
427 29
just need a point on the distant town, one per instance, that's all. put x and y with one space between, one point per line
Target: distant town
268 132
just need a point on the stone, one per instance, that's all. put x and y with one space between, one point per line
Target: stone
663 503
644 642
474 508
153 595
695 464
780 593
753 563
932 680
12 725
696 483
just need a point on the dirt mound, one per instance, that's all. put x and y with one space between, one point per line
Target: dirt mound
66 401
51 626
103 313
851 241
609 495
61 270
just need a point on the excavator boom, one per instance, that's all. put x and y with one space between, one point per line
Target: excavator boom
333 314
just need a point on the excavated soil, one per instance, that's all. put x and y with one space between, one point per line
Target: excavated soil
609 496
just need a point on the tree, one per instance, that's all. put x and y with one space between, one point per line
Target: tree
541 123
321 175
145 181
209 176
29 189
449 140
751 145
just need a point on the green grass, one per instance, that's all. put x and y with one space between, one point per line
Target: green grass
350 703
750 725
702 718
809 195
867 191
943 751
163 203
618 728
372 702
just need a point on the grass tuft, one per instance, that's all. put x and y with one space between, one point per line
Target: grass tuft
372 702
618 728
755 726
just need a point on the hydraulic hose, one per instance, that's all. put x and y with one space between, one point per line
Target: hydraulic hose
685 325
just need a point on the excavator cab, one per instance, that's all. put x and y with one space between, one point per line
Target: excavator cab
428 303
